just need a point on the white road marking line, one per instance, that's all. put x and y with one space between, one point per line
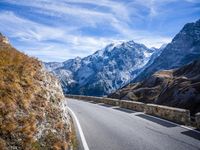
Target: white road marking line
183 126
85 145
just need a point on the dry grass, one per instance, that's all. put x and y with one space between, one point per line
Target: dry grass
23 104
16 87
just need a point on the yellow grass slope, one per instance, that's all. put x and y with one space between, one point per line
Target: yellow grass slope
31 116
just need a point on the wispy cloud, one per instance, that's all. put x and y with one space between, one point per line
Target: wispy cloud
58 30
41 39
26 30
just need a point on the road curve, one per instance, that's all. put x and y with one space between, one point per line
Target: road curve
111 128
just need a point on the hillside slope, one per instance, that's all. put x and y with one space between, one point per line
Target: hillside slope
31 112
178 88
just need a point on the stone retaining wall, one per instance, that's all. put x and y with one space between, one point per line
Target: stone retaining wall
197 120
137 106
109 101
170 113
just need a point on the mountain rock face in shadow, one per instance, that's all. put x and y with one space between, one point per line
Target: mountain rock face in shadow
32 115
176 88
184 48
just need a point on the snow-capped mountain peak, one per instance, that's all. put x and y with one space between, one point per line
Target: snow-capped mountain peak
104 71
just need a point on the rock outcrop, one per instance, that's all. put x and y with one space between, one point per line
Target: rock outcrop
3 39
176 88
32 116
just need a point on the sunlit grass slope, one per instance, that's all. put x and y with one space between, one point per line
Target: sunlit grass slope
30 104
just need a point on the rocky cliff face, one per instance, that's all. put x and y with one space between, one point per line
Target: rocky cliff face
104 71
32 115
3 39
178 88
184 48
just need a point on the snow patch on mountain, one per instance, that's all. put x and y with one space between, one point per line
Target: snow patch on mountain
104 71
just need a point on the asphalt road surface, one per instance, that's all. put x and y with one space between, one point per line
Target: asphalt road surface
112 128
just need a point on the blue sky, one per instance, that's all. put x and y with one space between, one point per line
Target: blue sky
56 30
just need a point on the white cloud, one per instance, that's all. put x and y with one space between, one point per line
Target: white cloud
36 38
81 16
62 52
27 30
157 41
63 41
84 15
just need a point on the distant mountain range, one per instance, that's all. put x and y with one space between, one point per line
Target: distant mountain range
104 71
117 65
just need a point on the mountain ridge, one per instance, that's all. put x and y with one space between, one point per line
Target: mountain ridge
117 65
183 49
104 71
